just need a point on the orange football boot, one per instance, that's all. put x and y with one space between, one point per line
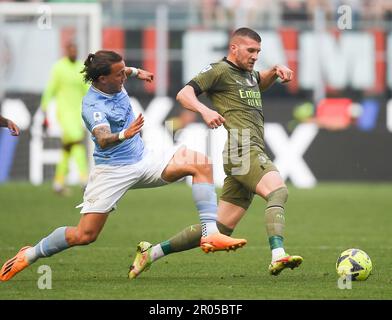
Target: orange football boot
219 242
14 265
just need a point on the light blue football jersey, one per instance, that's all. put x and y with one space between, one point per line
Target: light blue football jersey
114 110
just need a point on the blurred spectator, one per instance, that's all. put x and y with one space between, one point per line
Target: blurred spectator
324 5
225 12
387 7
266 13
208 12
70 1
373 10
67 87
294 10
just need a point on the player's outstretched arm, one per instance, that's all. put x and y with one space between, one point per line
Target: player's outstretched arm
268 77
139 73
106 138
187 98
14 129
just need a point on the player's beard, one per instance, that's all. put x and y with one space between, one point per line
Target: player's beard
248 66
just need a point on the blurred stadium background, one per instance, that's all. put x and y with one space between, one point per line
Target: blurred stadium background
333 122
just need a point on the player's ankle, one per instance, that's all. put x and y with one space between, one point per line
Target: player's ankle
277 253
209 228
31 256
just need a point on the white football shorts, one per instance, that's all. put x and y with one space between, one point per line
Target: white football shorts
107 184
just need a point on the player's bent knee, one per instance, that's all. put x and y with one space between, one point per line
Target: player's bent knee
203 168
206 167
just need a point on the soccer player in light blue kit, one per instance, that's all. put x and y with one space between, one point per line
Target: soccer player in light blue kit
121 163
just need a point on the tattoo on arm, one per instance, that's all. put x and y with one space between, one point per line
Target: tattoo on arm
104 137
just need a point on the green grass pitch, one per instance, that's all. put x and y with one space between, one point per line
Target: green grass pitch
320 223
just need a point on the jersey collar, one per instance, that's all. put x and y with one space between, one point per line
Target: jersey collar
232 64
101 92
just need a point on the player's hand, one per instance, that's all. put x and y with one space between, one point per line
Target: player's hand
212 118
284 73
145 75
13 128
135 127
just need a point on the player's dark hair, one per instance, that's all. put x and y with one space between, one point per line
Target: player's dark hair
246 32
99 64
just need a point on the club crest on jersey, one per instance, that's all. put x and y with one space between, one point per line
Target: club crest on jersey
97 116
206 69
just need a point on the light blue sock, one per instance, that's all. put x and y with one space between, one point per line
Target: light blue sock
205 199
53 243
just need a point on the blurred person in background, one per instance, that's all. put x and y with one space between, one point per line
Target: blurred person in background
234 12
311 5
208 12
67 88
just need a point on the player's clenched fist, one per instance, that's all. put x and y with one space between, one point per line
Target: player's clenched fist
284 73
212 118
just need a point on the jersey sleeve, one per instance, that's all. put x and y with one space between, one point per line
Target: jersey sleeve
207 79
93 116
